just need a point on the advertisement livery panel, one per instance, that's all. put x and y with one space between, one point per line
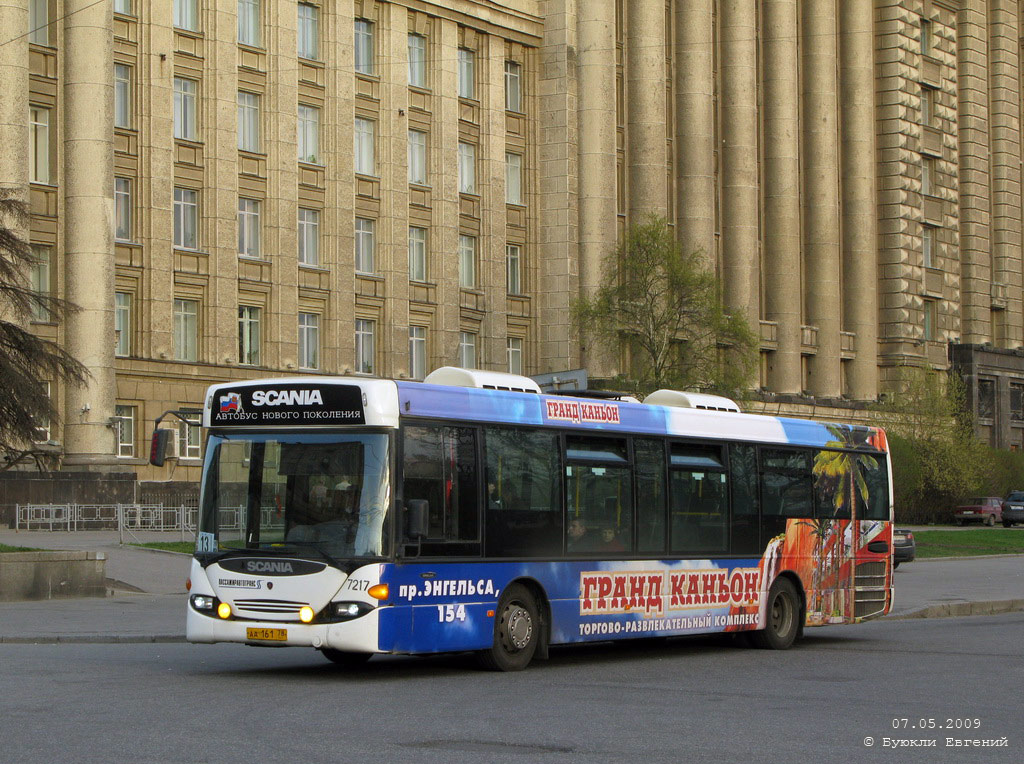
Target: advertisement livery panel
287 404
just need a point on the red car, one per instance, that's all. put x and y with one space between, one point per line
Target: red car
985 509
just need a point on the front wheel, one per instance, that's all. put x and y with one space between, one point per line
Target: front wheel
516 631
1007 524
990 520
782 616
346 659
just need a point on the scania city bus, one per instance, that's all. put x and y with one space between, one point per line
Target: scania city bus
472 512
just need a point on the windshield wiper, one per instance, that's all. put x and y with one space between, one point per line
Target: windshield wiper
245 551
315 546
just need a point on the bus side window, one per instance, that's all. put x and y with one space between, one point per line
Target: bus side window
523 498
700 499
786 488
599 495
830 469
440 467
650 491
745 526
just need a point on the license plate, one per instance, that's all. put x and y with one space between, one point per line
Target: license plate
968 511
897 540
273 635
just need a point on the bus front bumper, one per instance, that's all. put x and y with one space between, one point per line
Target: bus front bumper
358 635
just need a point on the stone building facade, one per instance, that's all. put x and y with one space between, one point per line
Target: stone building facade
273 187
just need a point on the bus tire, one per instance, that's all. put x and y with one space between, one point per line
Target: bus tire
782 616
344 658
516 631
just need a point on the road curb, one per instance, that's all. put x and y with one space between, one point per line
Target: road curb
93 639
956 609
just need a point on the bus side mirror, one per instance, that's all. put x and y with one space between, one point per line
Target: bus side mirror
416 518
158 447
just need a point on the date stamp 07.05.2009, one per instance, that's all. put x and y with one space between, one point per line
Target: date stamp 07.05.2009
950 732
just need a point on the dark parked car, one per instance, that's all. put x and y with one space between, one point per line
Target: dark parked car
1013 508
904 548
983 509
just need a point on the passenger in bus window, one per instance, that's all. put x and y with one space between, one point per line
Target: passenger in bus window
610 541
580 538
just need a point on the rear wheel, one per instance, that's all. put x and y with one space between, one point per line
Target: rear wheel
1007 524
990 520
782 616
516 631
959 523
346 659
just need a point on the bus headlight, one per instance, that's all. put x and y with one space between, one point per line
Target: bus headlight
203 602
346 611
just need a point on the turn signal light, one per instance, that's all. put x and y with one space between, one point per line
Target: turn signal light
224 610
378 592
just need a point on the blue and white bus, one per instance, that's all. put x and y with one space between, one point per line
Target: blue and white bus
472 512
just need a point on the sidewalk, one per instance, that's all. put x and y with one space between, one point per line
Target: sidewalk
149 597
148 587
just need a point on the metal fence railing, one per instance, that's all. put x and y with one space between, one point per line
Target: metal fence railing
129 519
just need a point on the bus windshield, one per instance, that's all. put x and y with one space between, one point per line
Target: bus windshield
297 493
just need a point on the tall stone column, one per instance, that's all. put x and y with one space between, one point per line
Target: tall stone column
695 127
645 108
1004 102
14 103
597 121
860 212
782 191
740 241
88 212
975 176
821 193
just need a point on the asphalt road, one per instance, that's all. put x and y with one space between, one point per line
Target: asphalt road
681 701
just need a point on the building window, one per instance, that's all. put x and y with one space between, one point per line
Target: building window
248 121
124 419
467 350
514 348
417 352
926 37
185 109
249 22
248 227
364 47
309 340
467 168
513 86
39 22
928 176
122 96
1016 402
42 433
309 31
417 61
417 253
365 152
39 144
514 268
418 157
366 245
123 323
927 246
467 261
249 335
931 320
39 277
122 209
186 218
467 73
986 398
186 330
186 14
190 444
927 106
365 331
513 178
309 134
309 236
123 6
